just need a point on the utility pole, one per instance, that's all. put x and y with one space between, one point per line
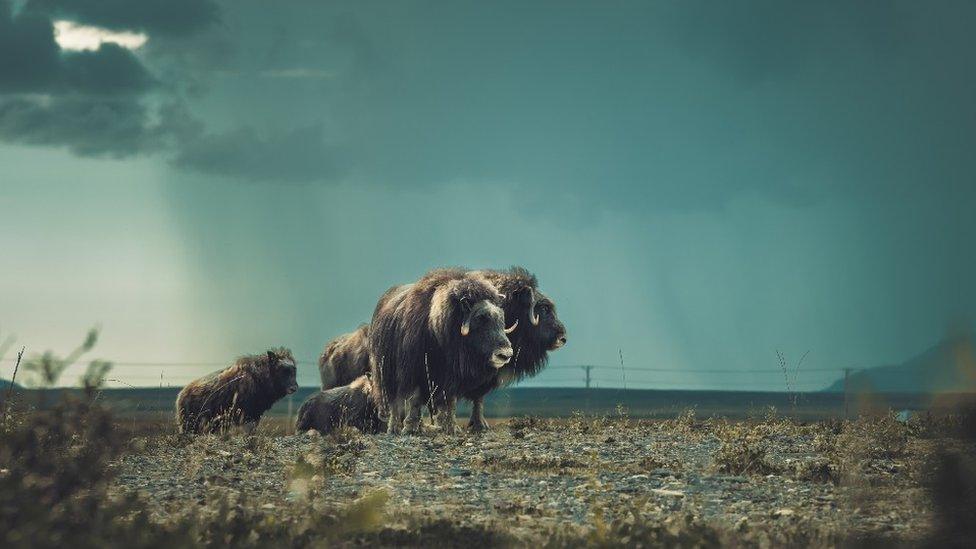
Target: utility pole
847 375
623 371
587 370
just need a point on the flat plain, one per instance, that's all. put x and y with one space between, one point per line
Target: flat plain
581 481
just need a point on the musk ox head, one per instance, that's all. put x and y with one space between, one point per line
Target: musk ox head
483 332
283 370
551 332
467 312
536 315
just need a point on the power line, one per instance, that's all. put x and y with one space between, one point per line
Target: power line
179 364
153 364
692 370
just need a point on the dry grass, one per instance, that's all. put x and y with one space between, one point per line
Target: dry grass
530 463
57 472
743 451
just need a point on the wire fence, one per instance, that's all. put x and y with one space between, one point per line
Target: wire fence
171 373
645 377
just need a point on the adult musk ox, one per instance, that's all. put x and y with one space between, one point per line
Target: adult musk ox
236 395
537 331
344 359
433 340
349 405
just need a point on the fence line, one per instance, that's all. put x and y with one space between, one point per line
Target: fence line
577 375
548 368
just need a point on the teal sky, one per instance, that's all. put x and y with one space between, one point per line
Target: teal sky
696 184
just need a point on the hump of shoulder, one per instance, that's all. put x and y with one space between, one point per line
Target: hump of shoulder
510 280
474 287
521 277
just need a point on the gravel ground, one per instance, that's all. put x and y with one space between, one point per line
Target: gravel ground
532 476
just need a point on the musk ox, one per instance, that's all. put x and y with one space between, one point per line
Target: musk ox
349 405
238 394
433 340
344 359
537 331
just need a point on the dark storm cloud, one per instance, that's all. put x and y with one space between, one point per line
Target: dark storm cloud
109 70
165 17
96 126
676 105
92 102
32 62
29 57
765 39
87 126
628 105
297 155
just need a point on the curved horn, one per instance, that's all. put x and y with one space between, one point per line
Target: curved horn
512 329
466 309
534 318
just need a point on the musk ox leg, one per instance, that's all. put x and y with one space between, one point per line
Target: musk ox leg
185 422
203 423
478 422
446 416
396 417
414 404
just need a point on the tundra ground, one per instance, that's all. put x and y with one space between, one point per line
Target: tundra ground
594 481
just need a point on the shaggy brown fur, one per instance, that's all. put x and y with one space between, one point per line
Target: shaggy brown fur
350 405
532 341
348 356
419 350
344 359
236 395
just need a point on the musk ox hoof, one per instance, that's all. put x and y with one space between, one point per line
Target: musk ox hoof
478 426
412 428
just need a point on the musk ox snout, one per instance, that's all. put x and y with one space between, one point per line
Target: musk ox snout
501 357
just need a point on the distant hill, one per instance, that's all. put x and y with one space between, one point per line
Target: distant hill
5 384
538 401
949 366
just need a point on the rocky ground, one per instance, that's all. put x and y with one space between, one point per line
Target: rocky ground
576 481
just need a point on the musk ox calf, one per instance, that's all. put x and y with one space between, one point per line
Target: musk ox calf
537 330
349 405
344 359
236 395
431 341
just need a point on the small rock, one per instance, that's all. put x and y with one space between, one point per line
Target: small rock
666 492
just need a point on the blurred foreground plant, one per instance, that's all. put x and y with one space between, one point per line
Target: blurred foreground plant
54 483
46 369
